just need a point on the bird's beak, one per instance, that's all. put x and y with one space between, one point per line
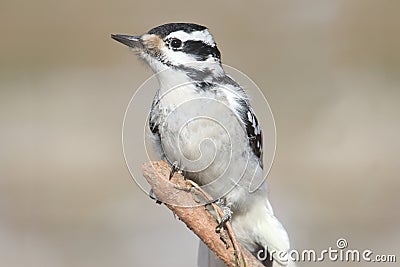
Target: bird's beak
131 41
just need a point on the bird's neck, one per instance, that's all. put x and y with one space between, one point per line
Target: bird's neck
171 78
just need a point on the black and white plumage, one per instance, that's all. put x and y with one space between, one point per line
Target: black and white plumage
202 120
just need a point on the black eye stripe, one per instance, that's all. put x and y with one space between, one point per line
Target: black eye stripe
200 50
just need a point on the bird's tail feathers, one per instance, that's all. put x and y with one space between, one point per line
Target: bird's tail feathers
271 235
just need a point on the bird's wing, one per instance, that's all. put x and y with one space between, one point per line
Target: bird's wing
153 118
154 124
254 132
246 115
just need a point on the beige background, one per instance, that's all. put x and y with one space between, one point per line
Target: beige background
330 71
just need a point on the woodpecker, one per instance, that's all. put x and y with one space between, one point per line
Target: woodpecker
203 124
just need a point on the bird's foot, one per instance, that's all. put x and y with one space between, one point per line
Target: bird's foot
174 168
152 196
227 214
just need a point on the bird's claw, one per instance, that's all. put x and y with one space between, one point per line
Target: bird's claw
152 196
225 218
174 169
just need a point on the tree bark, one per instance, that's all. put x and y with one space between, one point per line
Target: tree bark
182 197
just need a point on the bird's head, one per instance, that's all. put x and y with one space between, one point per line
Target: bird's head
184 47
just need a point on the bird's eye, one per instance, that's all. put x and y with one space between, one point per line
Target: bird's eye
175 43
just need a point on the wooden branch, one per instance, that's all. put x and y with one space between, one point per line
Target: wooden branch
180 196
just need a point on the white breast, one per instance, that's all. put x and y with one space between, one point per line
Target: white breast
200 131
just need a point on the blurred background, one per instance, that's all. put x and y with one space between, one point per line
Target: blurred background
329 69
